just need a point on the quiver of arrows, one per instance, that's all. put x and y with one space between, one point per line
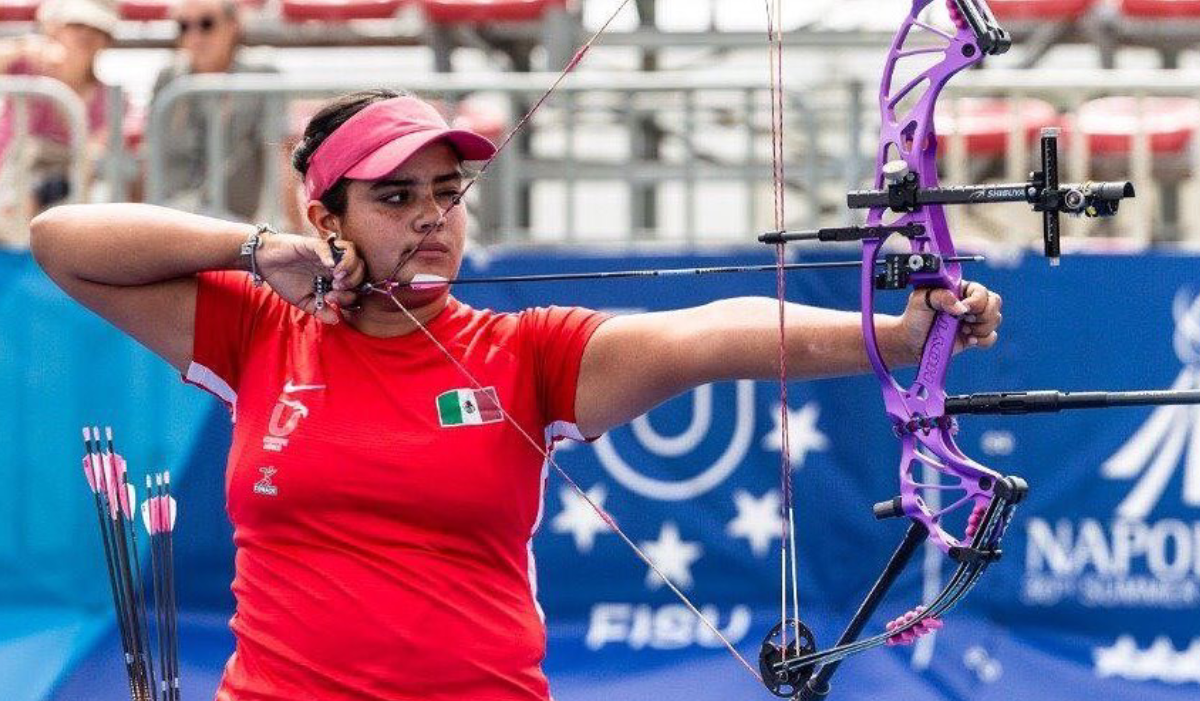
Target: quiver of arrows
115 499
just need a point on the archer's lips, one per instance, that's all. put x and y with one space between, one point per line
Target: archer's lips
431 250
428 253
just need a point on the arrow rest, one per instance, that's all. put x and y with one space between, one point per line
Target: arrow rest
780 679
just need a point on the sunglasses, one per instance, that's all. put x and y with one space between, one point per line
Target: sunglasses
204 25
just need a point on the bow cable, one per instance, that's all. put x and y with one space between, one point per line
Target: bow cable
787 543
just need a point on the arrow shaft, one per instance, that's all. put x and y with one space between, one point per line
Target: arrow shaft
669 272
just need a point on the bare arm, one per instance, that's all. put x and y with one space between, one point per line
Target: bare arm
726 339
135 266
635 362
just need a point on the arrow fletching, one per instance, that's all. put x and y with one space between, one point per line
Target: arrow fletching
427 281
147 516
170 515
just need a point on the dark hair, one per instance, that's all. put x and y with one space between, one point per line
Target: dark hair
331 116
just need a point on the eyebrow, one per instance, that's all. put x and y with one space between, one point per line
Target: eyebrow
409 182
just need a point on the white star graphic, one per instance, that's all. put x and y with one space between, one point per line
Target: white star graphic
579 518
758 520
803 434
673 556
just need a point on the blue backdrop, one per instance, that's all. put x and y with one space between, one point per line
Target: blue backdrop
1098 595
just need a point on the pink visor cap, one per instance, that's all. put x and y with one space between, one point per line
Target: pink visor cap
380 138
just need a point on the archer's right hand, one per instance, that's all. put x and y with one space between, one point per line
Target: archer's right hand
290 263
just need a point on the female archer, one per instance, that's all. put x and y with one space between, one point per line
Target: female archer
376 425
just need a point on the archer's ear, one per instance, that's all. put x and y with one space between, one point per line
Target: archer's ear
322 220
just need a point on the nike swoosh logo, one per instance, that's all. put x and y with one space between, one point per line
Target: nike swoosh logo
288 387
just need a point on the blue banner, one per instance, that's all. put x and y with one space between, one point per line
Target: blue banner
1097 595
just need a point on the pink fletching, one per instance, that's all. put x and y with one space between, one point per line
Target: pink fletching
88 471
98 473
129 500
110 485
156 514
125 490
159 512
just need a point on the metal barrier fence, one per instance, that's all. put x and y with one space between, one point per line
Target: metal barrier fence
684 157
646 133
1166 184
17 163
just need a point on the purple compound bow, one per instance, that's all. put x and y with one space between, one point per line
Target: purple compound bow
908 201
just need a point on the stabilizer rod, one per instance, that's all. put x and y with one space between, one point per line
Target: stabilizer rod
1051 401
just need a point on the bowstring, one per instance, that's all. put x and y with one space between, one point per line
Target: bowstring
390 281
548 457
787 544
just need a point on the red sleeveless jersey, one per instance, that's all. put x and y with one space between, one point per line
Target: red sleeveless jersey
382 508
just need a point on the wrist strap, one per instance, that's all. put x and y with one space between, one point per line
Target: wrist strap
250 248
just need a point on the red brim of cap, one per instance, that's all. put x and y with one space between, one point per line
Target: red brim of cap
387 158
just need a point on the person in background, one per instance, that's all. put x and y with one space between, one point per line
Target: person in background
34 170
209 41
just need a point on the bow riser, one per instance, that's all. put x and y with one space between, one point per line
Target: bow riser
970 483
908 149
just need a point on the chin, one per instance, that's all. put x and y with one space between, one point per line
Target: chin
413 299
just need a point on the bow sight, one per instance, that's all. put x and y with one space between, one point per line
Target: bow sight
904 195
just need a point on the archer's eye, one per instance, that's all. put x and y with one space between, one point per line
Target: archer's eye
450 194
400 197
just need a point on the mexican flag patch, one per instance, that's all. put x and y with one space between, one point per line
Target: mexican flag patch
468 407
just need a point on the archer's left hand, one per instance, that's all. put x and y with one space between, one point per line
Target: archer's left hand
978 312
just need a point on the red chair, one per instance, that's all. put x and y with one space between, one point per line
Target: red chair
133 127
144 10
1039 10
339 10
19 11
487 11
1160 9
1109 123
985 122
481 118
